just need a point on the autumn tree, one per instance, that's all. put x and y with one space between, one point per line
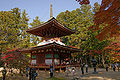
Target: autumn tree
15 59
109 14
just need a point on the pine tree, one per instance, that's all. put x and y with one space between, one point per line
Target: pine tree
35 39
12 29
78 20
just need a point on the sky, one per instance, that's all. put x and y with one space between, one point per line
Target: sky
41 8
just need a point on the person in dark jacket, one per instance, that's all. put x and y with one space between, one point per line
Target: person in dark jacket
4 73
106 66
82 68
51 71
113 66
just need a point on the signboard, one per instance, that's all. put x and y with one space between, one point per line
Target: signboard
48 61
33 62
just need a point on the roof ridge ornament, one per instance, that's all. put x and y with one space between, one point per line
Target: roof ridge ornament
51 11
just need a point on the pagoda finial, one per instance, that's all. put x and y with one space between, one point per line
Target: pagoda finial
51 13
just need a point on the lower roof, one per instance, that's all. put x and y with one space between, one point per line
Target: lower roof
50 47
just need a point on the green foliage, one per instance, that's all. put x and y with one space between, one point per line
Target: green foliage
80 20
96 7
35 39
12 29
13 24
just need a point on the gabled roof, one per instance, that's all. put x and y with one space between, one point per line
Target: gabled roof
52 46
51 28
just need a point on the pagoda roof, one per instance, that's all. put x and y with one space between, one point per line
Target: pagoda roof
52 28
55 46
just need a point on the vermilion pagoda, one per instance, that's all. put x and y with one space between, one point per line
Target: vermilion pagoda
51 50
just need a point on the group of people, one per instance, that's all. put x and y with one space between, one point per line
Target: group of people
31 73
113 65
82 68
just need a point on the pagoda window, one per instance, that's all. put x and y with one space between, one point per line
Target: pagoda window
56 61
48 61
33 62
34 56
48 56
56 56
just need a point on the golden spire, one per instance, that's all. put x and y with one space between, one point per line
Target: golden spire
51 13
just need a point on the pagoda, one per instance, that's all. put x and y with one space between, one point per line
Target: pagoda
51 50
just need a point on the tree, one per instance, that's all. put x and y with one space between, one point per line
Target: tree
24 37
13 35
15 59
107 14
9 28
111 9
12 29
35 39
80 20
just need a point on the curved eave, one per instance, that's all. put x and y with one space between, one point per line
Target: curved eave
51 46
38 30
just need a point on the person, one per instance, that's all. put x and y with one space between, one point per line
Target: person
34 75
4 73
27 71
82 68
106 66
113 66
67 71
30 74
94 63
117 66
86 66
73 72
51 71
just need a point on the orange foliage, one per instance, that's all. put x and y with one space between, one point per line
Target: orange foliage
114 50
109 13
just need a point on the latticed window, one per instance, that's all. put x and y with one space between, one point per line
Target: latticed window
34 56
